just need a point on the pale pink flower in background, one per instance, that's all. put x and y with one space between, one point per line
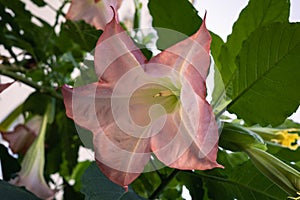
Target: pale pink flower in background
23 135
94 12
31 175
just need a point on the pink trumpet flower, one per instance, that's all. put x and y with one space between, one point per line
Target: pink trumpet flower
31 175
140 107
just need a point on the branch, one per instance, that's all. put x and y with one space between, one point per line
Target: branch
163 184
11 72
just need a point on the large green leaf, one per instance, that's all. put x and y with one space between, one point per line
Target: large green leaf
193 183
36 103
9 192
78 33
266 85
219 98
62 144
179 16
216 47
95 185
257 14
146 183
239 180
70 143
78 171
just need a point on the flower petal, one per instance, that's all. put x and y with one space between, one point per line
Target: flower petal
190 58
97 13
119 154
23 136
189 138
86 104
179 146
35 184
115 53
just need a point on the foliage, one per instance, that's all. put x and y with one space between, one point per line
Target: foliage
256 77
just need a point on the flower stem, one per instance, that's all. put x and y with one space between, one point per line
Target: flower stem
4 125
137 14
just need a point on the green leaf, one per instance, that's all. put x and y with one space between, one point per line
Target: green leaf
179 16
9 192
78 172
36 103
9 164
266 85
80 33
95 185
239 180
289 124
193 183
146 183
258 13
284 154
62 144
70 142
71 193
215 47
219 97
171 194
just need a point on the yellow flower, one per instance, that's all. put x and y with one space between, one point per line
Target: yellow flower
285 137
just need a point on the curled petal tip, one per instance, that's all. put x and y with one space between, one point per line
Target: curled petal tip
68 86
5 85
204 18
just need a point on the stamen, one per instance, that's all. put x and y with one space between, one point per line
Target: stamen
164 93
295 198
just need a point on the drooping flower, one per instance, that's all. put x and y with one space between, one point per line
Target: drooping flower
235 137
31 175
94 12
139 107
23 135
279 172
4 86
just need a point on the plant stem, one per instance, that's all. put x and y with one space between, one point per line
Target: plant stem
4 125
10 72
137 14
163 184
